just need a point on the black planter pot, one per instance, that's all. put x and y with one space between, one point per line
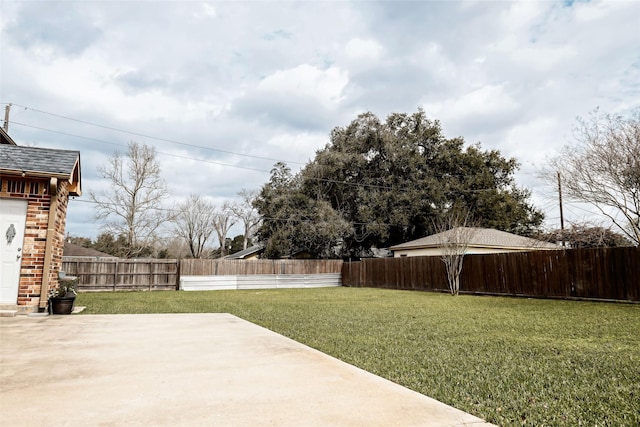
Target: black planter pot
62 305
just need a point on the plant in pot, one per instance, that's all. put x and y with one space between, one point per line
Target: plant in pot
62 298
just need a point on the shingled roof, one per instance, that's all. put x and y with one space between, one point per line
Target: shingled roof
246 252
478 237
73 250
41 162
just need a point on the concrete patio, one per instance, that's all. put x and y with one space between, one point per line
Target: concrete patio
190 369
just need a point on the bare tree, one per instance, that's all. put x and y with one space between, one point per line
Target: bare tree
247 213
603 168
132 205
194 223
586 235
454 237
223 220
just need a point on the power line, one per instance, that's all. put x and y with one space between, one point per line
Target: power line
123 145
301 218
312 178
157 138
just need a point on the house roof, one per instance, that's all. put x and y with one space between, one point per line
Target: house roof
42 162
71 249
246 252
477 237
5 138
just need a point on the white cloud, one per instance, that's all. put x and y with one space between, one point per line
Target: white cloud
323 86
208 10
487 102
520 16
363 50
587 12
299 145
543 136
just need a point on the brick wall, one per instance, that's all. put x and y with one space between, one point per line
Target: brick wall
36 193
58 236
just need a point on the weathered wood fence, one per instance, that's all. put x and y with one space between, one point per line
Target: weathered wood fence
114 274
604 273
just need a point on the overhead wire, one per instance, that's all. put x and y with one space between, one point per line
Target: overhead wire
157 138
312 178
124 145
171 141
301 218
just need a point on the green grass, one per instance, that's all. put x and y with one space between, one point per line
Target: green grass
510 361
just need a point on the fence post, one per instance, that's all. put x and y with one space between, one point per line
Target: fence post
115 276
178 264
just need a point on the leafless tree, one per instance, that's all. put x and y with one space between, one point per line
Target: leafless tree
603 168
194 223
247 213
176 247
132 205
586 235
454 236
223 220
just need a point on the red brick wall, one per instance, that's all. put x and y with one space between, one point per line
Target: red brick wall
35 236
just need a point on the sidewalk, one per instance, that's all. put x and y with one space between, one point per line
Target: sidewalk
191 370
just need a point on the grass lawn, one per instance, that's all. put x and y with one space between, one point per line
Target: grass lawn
510 361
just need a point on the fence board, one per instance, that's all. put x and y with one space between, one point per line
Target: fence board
602 273
111 274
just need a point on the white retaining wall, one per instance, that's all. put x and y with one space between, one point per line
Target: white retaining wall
259 281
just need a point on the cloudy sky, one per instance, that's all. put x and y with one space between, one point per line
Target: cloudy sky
224 89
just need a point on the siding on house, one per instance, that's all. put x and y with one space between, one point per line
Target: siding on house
471 250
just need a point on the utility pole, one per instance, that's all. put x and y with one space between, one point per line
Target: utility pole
561 214
7 110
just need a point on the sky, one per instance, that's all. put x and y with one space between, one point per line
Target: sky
225 89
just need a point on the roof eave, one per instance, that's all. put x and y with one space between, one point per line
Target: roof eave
477 246
74 178
33 174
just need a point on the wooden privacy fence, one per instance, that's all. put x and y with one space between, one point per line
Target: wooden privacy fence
603 273
114 274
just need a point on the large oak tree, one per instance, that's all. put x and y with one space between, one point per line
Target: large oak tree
390 181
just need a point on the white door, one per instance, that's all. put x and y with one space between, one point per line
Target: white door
13 214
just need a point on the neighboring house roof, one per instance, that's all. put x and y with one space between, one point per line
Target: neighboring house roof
71 249
42 162
478 237
253 250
